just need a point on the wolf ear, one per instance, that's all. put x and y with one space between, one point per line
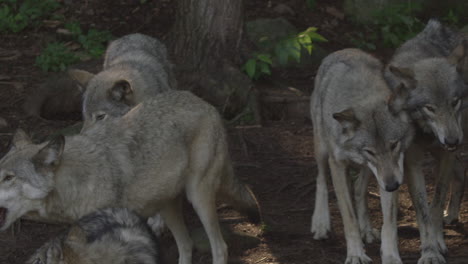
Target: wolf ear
406 76
20 138
80 76
458 55
347 119
398 100
49 157
122 92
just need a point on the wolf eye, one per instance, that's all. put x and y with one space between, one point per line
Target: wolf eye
8 177
394 145
456 102
429 108
369 152
100 116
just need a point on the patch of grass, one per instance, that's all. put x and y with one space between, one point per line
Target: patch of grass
17 15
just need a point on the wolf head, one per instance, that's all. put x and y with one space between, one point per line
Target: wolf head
437 94
26 176
108 93
378 141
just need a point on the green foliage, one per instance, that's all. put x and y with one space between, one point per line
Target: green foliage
17 15
93 42
55 57
282 51
390 26
311 3
451 18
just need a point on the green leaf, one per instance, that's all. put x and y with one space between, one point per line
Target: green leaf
306 43
265 58
250 67
265 68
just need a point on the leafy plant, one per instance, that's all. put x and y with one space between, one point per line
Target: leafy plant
282 52
17 15
55 57
390 26
93 42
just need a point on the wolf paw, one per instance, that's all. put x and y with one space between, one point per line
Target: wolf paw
362 259
320 228
390 259
441 244
370 235
431 257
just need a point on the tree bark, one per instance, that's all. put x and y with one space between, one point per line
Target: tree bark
205 43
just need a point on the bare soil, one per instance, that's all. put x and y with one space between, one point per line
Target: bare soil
276 159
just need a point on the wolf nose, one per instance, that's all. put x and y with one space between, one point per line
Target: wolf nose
451 143
390 187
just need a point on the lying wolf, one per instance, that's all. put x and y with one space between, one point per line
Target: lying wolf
136 67
107 236
432 65
167 147
358 121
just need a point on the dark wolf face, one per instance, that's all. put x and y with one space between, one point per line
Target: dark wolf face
26 176
437 94
378 142
106 94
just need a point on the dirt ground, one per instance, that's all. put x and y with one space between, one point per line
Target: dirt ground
275 159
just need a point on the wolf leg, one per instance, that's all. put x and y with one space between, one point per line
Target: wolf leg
320 225
172 214
389 246
355 247
361 183
444 175
417 187
457 190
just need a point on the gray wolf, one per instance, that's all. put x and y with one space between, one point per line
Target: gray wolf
135 67
358 121
170 146
431 65
107 236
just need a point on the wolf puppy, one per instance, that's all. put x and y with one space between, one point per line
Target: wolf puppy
106 236
135 67
167 147
432 64
358 121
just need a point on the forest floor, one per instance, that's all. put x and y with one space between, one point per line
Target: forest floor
275 158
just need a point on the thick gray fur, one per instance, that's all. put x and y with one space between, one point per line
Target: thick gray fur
170 146
106 236
434 64
136 67
358 121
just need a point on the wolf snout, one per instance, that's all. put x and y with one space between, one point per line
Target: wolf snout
451 143
392 186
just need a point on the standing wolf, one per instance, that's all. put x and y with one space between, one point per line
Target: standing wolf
167 147
432 65
358 121
106 236
136 67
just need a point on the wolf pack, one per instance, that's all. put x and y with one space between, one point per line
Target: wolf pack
146 146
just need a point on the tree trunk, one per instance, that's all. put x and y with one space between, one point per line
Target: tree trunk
205 44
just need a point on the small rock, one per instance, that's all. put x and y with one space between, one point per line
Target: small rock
283 9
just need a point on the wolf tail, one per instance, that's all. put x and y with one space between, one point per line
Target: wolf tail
232 189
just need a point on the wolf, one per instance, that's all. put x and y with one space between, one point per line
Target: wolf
170 146
358 122
108 236
135 67
432 66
